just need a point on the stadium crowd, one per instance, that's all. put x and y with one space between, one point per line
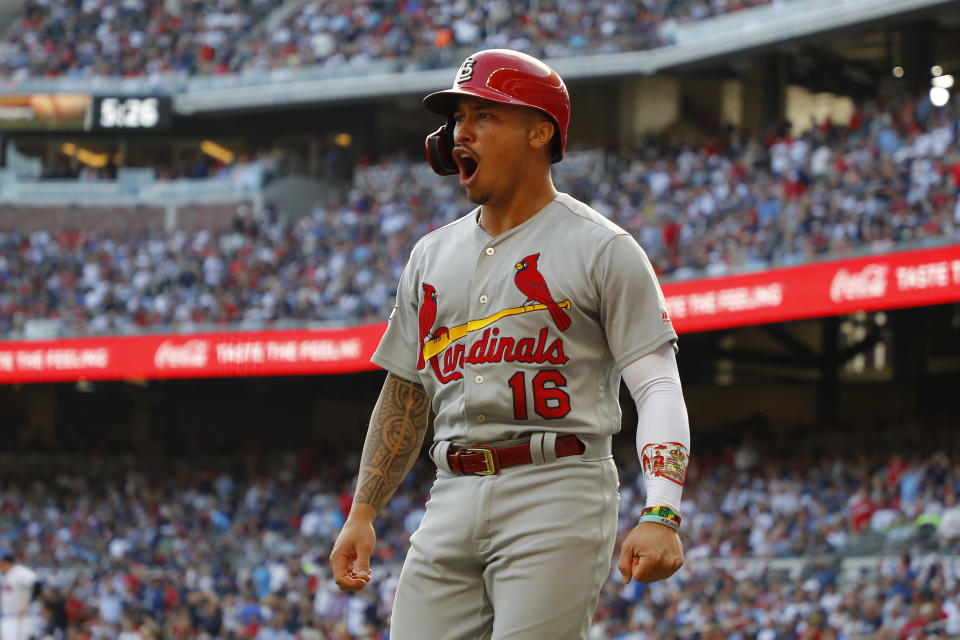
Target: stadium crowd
434 34
888 179
129 38
133 549
136 38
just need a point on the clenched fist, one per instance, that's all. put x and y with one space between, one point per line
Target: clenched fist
650 552
350 557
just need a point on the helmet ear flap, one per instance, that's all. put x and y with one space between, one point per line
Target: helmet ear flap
439 146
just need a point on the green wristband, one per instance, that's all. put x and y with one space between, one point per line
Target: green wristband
661 515
660 520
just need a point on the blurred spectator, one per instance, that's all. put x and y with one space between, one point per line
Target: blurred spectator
949 528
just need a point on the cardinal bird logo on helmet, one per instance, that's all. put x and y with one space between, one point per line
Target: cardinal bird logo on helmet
531 284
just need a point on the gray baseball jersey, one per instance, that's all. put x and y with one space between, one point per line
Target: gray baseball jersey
527 331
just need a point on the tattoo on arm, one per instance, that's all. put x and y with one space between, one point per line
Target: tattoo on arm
393 441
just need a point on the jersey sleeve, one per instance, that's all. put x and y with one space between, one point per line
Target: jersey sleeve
633 312
663 427
397 351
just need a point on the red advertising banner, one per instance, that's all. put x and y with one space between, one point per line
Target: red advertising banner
905 279
871 283
218 355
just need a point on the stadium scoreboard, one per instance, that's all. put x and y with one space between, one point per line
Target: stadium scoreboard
76 112
131 112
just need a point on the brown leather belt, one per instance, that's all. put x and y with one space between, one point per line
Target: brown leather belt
484 460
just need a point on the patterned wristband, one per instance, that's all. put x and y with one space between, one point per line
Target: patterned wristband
662 515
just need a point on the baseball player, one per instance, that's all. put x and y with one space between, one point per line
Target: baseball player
18 588
515 324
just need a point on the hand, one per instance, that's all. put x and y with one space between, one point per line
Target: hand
649 553
350 557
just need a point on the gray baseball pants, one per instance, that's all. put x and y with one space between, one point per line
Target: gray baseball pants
519 555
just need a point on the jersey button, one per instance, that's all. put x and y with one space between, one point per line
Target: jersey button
479 379
481 417
483 299
491 251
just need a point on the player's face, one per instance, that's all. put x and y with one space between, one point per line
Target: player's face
492 147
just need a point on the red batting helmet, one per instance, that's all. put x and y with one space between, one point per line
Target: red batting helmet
500 75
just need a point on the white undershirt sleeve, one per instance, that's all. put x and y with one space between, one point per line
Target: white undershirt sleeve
663 429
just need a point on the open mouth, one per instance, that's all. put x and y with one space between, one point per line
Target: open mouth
468 168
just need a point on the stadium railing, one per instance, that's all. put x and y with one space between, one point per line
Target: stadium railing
133 187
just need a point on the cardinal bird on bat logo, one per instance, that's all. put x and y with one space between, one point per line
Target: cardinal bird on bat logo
443 347
531 284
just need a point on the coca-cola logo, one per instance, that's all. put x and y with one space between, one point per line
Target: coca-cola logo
190 354
869 282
